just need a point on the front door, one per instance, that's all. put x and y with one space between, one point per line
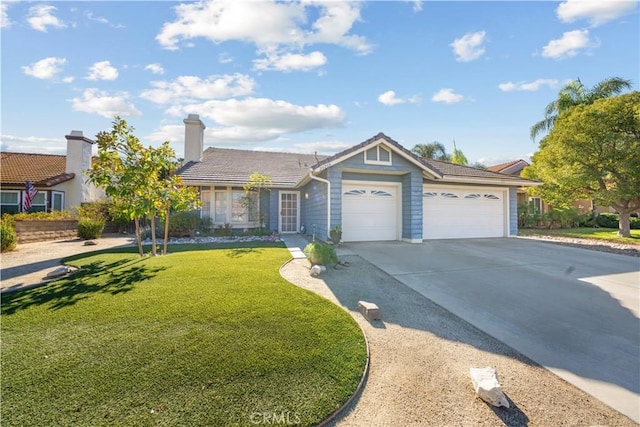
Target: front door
289 211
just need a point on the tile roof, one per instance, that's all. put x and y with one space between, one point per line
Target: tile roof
511 168
43 170
233 167
448 169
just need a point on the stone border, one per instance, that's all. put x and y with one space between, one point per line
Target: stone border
365 372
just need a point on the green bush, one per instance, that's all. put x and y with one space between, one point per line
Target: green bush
223 231
184 224
8 236
607 220
320 253
610 220
90 228
33 216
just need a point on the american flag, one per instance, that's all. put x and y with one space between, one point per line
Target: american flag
29 194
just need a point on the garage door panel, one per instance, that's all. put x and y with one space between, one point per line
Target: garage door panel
369 212
463 212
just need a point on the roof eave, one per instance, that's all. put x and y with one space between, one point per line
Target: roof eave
475 180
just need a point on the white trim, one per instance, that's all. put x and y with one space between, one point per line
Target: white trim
297 194
407 240
411 159
378 161
398 186
472 180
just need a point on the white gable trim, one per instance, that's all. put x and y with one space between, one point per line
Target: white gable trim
380 141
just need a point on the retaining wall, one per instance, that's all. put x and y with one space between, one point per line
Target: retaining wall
37 231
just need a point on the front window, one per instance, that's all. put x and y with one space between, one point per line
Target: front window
9 201
230 207
535 204
57 202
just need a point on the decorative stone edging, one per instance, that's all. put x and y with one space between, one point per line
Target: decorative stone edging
365 372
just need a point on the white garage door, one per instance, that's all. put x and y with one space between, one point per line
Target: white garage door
463 212
370 211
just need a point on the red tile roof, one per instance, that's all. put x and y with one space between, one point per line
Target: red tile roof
43 170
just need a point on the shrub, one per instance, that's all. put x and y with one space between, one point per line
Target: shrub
8 237
320 253
36 216
223 231
90 228
184 224
634 223
607 220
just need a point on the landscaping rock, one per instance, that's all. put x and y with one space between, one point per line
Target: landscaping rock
90 243
317 270
58 272
487 387
369 310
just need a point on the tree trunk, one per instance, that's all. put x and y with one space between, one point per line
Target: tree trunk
166 230
624 225
138 236
153 235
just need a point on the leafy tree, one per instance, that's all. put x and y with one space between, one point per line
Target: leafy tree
255 186
138 179
433 150
574 94
593 151
458 156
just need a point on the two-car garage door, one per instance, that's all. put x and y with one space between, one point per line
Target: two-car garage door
371 211
451 212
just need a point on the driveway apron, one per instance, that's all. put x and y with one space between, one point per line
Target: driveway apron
572 310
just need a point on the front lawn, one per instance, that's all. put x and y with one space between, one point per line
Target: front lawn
204 336
608 234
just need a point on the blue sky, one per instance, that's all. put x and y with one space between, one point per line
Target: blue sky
305 76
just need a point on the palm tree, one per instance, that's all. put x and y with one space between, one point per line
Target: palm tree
575 93
458 156
432 150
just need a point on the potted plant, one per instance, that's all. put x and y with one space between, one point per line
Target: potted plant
335 234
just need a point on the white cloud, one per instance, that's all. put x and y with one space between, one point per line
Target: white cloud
41 16
220 21
32 144
99 102
290 62
530 87
90 16
447 95
417 5
46 68
389 98
102 71
259 119
469 47
596 12
225 58
5 22
155 68
569 45
68 79
192 88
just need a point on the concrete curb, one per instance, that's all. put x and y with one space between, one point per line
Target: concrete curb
365 372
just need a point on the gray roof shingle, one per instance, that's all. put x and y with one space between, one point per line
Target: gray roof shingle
234 167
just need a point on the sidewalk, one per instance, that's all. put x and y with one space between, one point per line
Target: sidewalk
30 263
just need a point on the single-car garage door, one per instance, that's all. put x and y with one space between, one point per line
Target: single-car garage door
454 212
370 211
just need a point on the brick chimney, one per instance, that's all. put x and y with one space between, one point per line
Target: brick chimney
78 161
193 138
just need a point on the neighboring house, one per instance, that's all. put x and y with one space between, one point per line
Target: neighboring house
376 190
538 205
59 179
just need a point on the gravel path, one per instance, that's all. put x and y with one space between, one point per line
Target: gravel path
420 360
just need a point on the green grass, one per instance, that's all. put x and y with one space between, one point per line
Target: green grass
203 336
608 234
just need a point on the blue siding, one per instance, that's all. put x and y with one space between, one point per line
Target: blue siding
513 211
313 213
404 171
273 210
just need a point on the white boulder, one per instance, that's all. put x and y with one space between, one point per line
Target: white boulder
317 270
487 387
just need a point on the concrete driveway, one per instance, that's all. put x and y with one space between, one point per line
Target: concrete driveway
574 311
